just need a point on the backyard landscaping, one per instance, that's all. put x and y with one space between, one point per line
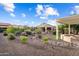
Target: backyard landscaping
33 42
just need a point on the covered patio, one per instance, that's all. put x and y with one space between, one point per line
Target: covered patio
70 20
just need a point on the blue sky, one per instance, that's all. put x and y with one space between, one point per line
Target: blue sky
33 14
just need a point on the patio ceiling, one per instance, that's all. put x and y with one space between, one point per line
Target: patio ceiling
69 20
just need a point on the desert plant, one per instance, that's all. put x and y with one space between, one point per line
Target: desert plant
23 39
38 31
39 36
17 33
2 30
33 28
21 29
24 34
45 40
54 32
11 36
28 32
10 29
5 33
33 33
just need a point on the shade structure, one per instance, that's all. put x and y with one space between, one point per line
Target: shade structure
74 19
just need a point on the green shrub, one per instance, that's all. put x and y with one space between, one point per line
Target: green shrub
21 29
17 33
54 32
23 39
2 30
33 28
28 32
38 31
45 40
5 33
11 36
24 34
10 29
39 36
33 33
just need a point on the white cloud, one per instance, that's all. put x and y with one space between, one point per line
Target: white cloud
52 22
23 15
39 9
46 6
43 17
51 11
75 10
9 7
32 22
77 7
72 12
45 11
12 14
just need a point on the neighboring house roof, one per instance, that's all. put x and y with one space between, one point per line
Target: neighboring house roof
44 25
4 25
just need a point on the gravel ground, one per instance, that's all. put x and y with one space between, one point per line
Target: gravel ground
34 47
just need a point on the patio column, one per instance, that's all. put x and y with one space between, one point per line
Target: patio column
45 29
69 29
57 32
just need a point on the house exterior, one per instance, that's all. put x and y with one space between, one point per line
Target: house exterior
46 27
4 26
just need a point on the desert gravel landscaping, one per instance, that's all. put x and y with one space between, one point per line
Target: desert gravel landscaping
34 47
